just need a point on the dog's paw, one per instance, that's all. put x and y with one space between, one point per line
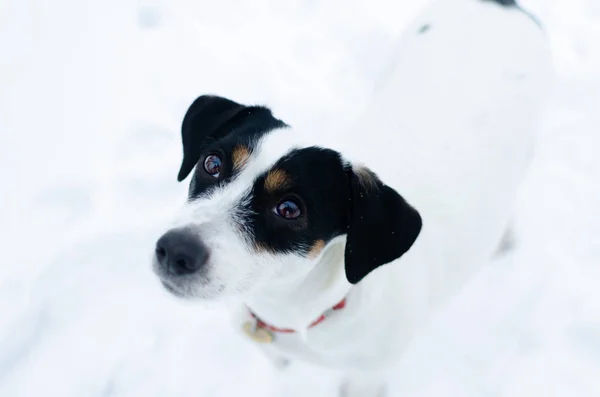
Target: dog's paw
354 388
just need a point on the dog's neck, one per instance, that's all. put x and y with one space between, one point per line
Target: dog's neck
297 304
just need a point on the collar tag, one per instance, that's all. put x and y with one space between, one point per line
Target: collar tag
258 334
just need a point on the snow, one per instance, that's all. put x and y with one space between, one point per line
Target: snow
91 98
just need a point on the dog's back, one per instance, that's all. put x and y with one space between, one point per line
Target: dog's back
452 129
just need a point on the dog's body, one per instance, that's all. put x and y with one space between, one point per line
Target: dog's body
450 129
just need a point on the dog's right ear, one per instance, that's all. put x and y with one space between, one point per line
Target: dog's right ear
209 118
382 225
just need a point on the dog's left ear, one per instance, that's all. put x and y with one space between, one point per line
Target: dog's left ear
382 226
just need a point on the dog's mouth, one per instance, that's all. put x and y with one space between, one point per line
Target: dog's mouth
173 290
183 293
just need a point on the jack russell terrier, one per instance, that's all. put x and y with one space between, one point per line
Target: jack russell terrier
340 244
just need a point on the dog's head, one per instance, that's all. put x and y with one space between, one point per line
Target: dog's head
262 208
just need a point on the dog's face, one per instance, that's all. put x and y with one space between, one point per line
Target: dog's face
262 208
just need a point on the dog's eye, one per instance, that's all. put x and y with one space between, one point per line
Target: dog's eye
212 165
288 209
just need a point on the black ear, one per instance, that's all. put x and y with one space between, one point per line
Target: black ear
208 118
382 225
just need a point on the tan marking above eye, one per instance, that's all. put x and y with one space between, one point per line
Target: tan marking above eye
316 249
240 156
276 180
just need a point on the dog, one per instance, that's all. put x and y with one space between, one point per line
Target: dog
339 245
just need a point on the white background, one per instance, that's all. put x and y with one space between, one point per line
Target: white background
91 99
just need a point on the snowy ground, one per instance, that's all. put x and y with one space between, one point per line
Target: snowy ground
91 98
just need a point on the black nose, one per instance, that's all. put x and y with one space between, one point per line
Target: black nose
180 251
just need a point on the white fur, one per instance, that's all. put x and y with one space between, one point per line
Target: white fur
456 114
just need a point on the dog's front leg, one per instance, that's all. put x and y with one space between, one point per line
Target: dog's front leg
362 384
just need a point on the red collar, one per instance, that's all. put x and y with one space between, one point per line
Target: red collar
262 324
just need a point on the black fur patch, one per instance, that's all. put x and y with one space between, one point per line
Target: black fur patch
510 3
318 183
513 3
